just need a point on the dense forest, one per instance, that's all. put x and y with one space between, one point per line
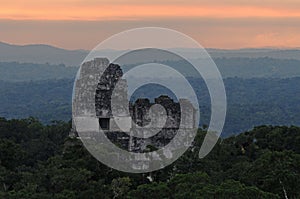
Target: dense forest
38 159
251 102
19 72
241 67
42 161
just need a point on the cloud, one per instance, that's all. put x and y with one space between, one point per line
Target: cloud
103 10
209 32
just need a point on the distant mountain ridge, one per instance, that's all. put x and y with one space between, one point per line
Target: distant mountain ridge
42 53
229 67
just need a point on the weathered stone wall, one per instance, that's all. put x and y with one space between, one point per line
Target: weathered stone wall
134 115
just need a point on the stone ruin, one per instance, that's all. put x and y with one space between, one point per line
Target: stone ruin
135 117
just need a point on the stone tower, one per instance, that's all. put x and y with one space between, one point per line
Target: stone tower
100 85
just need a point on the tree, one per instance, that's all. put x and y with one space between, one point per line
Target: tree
120 186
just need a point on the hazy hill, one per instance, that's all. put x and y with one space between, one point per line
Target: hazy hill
40 53
256 53
229 67
17 72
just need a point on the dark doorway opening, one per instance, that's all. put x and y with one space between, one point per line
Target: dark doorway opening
104 123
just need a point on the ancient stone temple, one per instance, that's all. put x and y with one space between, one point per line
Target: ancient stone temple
120 119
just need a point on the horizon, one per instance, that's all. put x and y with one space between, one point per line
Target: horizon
207 48
219 24
150 99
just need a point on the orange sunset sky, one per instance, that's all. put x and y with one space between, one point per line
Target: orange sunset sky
82 24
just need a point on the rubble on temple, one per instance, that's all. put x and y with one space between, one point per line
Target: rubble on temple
134 116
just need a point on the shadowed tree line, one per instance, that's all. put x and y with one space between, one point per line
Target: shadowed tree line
41 161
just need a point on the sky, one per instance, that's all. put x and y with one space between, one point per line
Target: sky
82 24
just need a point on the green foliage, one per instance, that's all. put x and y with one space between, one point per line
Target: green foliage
120 186
150 191
47 100
235 190
187 185
41 161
